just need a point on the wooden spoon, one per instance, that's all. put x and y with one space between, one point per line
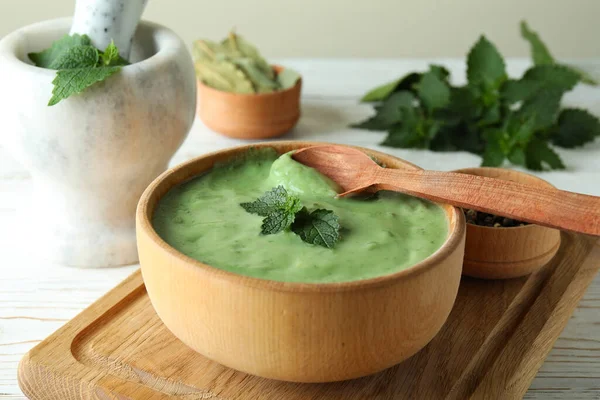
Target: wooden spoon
354 171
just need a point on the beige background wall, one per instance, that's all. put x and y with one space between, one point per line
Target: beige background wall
360 28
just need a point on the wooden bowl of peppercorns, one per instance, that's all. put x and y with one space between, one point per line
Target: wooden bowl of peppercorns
502 248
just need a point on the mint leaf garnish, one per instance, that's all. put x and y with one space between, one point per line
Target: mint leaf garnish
277 206
74 81
45 58
76 57
320 227
110 57
282 211
276 199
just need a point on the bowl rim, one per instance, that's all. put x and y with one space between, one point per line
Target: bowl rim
529 226
143 223
277 69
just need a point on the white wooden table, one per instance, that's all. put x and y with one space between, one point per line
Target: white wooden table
36 298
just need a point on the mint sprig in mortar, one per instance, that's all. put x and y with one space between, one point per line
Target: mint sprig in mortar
283 211
499 118
79 65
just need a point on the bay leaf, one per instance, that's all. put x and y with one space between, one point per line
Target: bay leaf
224 75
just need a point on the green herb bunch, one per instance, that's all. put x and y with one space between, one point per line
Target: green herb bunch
283 211
79 65
235 65
519 120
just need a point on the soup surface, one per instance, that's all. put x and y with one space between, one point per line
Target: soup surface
203 219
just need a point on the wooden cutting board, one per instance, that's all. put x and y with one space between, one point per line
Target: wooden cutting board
492 346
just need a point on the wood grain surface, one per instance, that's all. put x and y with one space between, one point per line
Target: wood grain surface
493 343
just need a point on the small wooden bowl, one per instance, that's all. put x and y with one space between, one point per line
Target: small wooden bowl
250 116
502 253
296 331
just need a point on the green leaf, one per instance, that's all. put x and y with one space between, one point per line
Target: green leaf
288 78
389 113
493 155
584 76
553 77
111 57
276 199
44 58
76 57
74 81
539 52
440 71
320 227
517 156
575 128
543 107
433 91
485 65
538 155
514 91
382 92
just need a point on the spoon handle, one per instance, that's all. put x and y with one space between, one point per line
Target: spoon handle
543 206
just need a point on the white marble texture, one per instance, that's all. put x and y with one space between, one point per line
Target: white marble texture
92 155
106 20
36 298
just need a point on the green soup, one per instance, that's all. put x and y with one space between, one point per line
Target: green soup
203 219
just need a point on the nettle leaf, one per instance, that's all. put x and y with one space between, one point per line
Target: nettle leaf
493 155
433 91
320 227
382 92
575 128
539 156
440 71
74 81
514 91
389 113
553 77
485 64
539 51
76 57
543 108
44 58
517 156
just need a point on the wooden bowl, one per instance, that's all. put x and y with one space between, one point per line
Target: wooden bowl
502 253
296 331
250 116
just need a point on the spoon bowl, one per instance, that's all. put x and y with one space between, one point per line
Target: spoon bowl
354 171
